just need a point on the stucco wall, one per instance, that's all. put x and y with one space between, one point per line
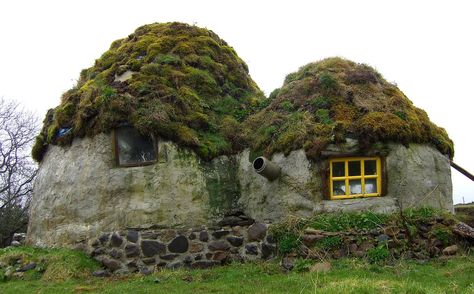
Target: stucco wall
79 193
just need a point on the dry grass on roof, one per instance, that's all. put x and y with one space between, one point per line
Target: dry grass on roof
186 85
189 86
326 101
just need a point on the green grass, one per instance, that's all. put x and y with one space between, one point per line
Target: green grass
289 233
55 264
465 213
452 275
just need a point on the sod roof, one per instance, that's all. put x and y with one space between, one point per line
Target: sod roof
327 101
185 84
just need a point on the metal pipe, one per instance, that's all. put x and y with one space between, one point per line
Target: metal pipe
266 168
463 171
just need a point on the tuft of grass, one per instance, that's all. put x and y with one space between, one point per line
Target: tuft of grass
378 254
329 242
302 265
346 221
57 264
322 116
443 234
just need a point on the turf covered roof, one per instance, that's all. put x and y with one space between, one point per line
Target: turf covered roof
327 101
184 83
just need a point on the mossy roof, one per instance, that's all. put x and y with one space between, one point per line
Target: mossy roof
333 99
187 85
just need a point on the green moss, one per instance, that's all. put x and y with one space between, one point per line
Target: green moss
347 100
189 86
39 148
186 81
224 190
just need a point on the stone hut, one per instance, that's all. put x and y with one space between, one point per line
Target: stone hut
167 131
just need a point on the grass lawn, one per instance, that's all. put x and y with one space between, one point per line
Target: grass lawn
69 272
465 213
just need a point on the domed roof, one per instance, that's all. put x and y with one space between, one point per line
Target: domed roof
326 101
173 80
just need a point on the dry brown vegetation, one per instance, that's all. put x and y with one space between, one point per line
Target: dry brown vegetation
327 101
189 86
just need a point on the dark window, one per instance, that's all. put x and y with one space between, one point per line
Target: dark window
133 148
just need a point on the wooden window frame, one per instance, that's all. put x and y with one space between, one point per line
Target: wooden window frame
378 176
116 152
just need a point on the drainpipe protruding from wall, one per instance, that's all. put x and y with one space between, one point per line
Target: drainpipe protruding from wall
266 168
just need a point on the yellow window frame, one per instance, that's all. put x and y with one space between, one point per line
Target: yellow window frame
362 177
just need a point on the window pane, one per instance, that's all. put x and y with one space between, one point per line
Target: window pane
370 167
338 169
339 188
354 168
370 186
134 148
355 187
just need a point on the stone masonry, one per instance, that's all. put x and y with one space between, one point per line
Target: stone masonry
146 250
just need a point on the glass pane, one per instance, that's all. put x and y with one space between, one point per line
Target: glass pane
134 148
370 167
338 169
339 188
370 186
354 168
355 187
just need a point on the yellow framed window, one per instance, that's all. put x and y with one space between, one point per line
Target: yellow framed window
354 177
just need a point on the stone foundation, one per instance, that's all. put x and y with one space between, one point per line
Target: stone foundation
146 250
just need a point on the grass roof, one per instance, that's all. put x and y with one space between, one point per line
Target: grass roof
187 85
327 101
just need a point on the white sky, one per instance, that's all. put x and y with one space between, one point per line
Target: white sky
426 47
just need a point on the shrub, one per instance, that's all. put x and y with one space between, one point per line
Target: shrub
330 242
378 254
302 265
288 242
443 234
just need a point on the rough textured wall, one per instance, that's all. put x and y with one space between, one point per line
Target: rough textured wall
419 175
79 193
296 191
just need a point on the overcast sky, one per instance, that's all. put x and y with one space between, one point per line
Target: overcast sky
425 47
